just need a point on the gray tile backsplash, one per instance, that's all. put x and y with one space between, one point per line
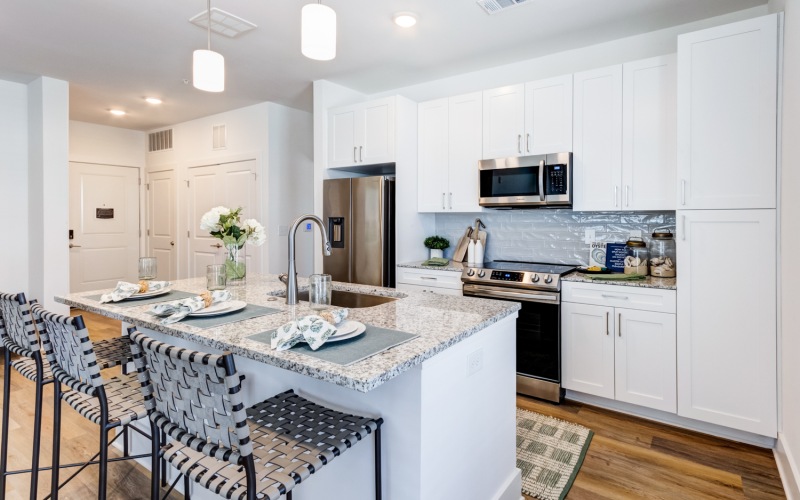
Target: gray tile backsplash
550 235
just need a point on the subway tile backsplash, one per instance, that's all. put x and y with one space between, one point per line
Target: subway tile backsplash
550 235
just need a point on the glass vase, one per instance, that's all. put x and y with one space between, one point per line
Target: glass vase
235 263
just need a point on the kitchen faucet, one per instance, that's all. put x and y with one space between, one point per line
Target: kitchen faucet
290 278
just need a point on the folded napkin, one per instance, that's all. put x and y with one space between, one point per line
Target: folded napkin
436 261
179 309
124 290
314 330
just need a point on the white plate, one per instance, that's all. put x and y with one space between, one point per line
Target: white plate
361 328
348 326
146 295
227 307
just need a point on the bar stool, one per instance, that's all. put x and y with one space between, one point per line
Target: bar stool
18 333
112 403
260 452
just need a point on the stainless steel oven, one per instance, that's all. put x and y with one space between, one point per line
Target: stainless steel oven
526 181
537 288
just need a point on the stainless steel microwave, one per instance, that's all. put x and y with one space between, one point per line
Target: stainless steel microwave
527 181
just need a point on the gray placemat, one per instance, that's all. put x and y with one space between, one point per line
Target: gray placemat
346 352
173 295
249 312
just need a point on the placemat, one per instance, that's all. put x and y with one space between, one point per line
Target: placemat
346 352
173 295
249 312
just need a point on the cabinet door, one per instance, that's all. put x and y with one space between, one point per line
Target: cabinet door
587 349
376 130
727 318
597 136
644 359
649 128
342 148
433 156
727 115
503 121
548 116
429 289
466 133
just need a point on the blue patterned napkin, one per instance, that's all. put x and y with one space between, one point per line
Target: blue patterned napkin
179 309
124 290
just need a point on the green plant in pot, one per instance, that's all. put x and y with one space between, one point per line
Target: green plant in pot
436 244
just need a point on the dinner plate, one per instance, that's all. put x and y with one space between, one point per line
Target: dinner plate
346 327
360 328
146 295
227 307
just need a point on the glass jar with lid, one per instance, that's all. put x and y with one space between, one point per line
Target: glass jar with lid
636 257
662 254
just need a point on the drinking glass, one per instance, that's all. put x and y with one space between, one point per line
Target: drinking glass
216 277
147 268
320 290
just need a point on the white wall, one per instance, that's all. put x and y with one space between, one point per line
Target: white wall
14 186
91 143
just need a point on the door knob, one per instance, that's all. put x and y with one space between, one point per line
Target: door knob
74 246
172 243
217 246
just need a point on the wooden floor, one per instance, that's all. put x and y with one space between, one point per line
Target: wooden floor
628 457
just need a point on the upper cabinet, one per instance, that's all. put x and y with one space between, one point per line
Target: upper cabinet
362 134
449 151
624 136
727 116
528 119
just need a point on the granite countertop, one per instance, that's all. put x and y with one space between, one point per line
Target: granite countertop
452 266
649 282
440 321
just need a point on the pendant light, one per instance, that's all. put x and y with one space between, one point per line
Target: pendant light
208 67
318 32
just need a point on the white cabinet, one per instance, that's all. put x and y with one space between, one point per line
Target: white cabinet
449 152
727 318
527 119
727 116
362 134
625 353
625 128
428 280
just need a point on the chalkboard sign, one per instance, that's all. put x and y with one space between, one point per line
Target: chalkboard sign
104 213
615 257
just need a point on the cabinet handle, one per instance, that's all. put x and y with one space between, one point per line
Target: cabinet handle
627 196
683 227
619 329
609 296
519 143
443 207
528 142
606 324
355 159
428 278
451 201
361 153
616 188
683 191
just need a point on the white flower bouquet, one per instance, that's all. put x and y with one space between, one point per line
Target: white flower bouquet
227 225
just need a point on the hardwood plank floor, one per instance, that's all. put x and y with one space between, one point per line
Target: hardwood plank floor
628 457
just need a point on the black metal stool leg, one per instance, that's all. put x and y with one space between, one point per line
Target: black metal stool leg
56 440
186 483
125 441
163 462
37 431
378 486
6 405
155 463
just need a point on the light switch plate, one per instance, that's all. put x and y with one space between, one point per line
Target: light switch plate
589 237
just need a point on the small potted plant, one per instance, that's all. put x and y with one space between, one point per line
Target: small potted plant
436 244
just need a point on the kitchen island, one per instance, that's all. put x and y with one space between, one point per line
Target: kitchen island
447 396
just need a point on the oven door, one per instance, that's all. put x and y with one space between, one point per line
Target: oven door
538 338
516 185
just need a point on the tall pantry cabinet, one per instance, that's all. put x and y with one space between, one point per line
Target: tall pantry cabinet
726 217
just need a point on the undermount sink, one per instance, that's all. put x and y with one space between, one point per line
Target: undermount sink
353 300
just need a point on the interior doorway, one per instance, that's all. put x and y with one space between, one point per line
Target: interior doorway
162 233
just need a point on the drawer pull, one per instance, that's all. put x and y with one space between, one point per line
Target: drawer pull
428 277
607 296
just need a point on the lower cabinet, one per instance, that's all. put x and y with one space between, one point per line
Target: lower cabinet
432 281
620 344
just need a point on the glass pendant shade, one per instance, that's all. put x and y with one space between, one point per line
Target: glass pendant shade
318 32
208 71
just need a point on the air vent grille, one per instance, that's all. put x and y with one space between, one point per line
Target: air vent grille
495 6
220 140
160 141
223 23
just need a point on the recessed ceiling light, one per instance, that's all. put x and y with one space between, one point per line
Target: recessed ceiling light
405 19
117 112
153 100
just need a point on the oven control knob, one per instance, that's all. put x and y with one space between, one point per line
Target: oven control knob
548 279
471 272
535 278
481 273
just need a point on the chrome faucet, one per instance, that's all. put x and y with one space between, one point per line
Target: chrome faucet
290 278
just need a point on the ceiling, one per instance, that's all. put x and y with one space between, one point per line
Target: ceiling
116 52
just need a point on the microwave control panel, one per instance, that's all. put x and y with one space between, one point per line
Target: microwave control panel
556 179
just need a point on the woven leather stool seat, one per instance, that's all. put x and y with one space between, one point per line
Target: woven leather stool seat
110 353
124 401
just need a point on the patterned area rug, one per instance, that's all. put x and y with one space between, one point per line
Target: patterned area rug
549 454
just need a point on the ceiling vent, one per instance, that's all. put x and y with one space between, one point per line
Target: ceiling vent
223 23
495 6
220 137
159 141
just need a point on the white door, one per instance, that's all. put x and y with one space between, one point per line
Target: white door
649 128
727 115
375 130
644 359
162 235
104 220
466 133
503 121
548 116
343 150
587 349
433 156
231 185
597 139
727 323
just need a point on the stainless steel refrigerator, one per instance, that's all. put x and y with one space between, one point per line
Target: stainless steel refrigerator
359 214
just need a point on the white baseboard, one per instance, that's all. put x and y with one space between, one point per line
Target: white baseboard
787 468
512 489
